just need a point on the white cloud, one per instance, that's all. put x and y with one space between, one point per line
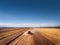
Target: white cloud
27 25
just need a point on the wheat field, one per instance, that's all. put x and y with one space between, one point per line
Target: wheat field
29 36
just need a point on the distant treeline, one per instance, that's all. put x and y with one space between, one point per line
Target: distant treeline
30 27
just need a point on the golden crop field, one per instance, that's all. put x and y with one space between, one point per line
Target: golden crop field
30 36
53 34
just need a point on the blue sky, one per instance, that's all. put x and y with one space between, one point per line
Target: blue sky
29 12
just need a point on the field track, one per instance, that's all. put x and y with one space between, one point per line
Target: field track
30 36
